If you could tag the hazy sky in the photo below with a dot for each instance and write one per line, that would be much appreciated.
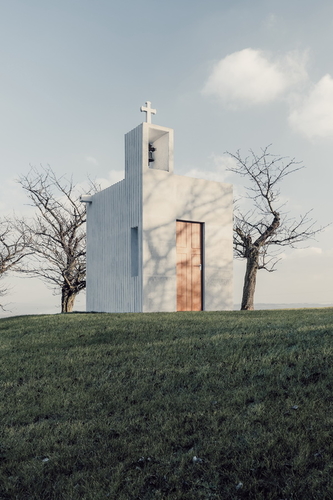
(225, 75)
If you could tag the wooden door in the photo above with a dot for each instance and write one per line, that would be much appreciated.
(189, 266)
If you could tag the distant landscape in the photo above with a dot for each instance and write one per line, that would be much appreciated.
(295, 305)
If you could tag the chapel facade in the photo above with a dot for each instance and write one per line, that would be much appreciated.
(157, 241)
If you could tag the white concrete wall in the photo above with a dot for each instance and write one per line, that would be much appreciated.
(167, 198)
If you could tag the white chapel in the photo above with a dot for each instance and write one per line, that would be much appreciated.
(157, 241)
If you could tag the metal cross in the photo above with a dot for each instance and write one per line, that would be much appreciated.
(148, 110)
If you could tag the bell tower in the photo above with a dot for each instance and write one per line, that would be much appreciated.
(148, 146)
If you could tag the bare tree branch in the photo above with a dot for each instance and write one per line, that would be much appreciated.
(57, 235)
(265, 225)
(14, 246)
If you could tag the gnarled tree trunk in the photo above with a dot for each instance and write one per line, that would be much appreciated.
(252, 252)
(67, 300)
(250, 278)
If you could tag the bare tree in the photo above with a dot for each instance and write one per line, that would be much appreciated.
(13, 248)
(263, 227)
(57, 233)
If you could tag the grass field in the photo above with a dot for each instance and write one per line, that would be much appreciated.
(167, 406)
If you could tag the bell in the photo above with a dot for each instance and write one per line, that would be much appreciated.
(151, 151)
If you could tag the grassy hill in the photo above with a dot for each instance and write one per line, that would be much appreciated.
(167, 406)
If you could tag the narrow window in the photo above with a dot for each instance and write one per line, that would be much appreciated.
(134, 251)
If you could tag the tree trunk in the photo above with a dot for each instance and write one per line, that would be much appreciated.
(67, 300)
(252, 262)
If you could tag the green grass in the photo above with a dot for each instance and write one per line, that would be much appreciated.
(101, 406)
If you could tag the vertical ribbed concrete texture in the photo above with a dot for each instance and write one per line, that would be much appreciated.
(110, 218)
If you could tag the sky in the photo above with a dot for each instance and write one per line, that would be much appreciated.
(225, 75)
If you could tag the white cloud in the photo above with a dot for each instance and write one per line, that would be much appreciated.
(223, 162)
(113, 177)
(303, 253)
(253, 77)
(91, 159)
(270, 21)
(313, 115)
(217, 169)
(101, 182)
(204, 174)
(12, 198)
